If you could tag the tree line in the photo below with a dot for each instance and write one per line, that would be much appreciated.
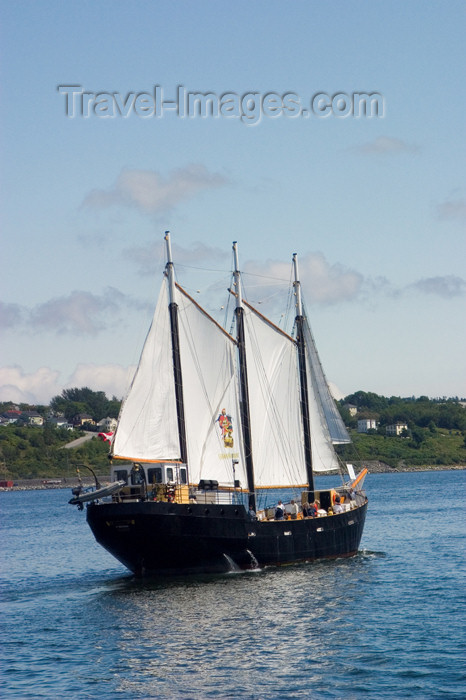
(421, 412)
(72, 402)
(437, 433)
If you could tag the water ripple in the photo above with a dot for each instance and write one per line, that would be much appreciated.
(384, 624)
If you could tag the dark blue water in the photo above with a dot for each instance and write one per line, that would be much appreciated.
(389, 623)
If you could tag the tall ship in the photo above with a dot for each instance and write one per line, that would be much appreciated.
(218, 442)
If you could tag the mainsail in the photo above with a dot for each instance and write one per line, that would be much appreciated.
(276, 425)
(208, 356)
(274, 403)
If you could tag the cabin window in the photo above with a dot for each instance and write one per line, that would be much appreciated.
(154, 475)
(169, 473)
(137, 475)
(121, 475)
(183, 478)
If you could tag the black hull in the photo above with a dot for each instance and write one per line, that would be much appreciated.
(152, 538)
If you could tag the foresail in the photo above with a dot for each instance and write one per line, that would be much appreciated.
(208, 359)
(147, 426)
(324, 458)
(336, 428)
(274, 401)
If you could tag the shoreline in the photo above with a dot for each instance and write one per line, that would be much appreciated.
(375, 467)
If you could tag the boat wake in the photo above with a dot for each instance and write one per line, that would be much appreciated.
(368, 554)
(254, 562)
(233, 567)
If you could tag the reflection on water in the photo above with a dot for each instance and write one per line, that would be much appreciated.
(206, 628)
(379, 625)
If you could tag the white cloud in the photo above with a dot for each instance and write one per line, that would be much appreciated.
(114, 380)
(41, 386)
(322, 282)
(152, 193)
(384, 145)
(34, 388)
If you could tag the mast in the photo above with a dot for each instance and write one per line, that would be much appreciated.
(173, 312)
(303, 380)
(244, 403)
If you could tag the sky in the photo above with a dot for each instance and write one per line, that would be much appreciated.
(95, 165)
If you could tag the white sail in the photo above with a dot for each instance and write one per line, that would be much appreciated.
(210, 396)
(274, 401)
(324, 458)
(148, 425)
(337, 430)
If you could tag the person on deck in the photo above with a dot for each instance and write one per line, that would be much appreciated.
(279, 511)
(294, 510)
(337, 507)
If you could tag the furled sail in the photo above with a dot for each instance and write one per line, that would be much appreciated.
(147, 428)
(276, 425)
(336, 428)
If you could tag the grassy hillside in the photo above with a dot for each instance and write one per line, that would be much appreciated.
(427, 448)
(436, 434)
(31, 453)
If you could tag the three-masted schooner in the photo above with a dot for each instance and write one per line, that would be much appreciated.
(211, 423)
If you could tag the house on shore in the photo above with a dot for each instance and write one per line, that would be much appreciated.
(81, 419)
(107, 424)
(366, 424)
(60, 422)
(396, 428)
(351, 408)
(12, 416)
(32, 418)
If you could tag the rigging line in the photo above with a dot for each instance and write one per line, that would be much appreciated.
(264, 300)
(204, 269)
(211, 269)
(227, 309)
(290, 299)
(265, 277)
(203, 311)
